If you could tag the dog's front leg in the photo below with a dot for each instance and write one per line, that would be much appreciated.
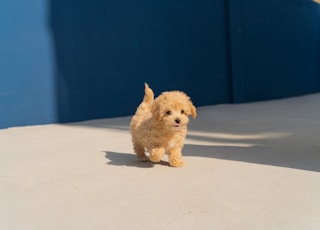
(156, 154)
(175, 157)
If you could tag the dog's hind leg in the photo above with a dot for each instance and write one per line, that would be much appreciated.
(140, 152)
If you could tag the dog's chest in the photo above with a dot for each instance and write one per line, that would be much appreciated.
(174, 141)
(171, 144)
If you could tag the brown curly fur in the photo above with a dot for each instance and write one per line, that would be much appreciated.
(159, 126)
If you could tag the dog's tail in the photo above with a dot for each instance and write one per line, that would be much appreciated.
(148, 94)
(146, 104)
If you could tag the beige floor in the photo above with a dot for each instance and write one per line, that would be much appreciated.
(248, 166)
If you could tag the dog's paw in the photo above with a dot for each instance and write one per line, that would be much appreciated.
(143, 158)
(156, 154)
(154, 158)
(176, 163)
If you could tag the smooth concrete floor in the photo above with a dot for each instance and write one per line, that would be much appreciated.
(248, 166)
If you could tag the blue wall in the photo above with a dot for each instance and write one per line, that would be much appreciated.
(75, 60)
(27, 86)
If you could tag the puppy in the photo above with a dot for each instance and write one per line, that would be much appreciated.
(159, 126)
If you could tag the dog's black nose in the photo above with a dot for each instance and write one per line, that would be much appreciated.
(177, 120)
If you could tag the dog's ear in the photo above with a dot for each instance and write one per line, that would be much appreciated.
(193, 110)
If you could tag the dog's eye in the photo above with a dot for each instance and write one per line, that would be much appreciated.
(168, 112)
(182, 111)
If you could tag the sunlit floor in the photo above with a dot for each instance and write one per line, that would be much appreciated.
(248, 166)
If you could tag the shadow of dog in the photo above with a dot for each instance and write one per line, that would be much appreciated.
(129, 160)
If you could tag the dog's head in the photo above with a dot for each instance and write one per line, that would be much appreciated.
(172, 109)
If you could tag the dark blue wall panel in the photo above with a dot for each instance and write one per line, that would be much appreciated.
(106, 50)
(275, 48)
